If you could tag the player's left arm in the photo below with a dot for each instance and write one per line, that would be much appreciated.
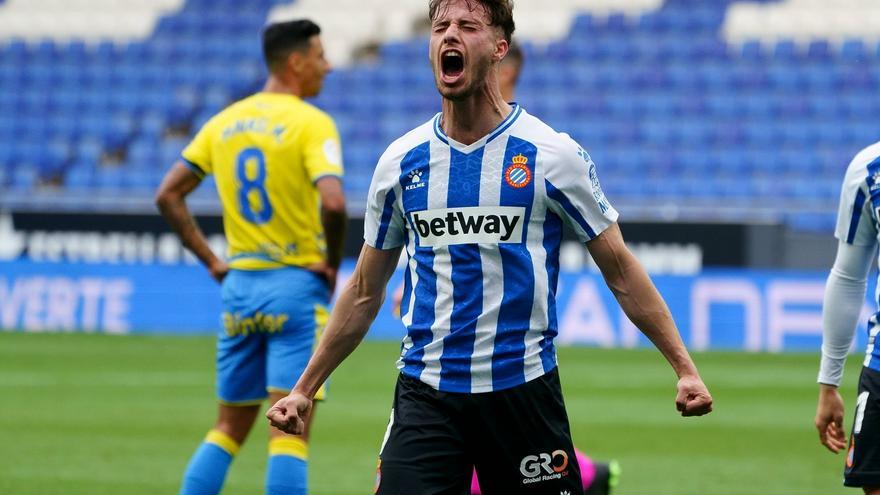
(843, 300)
(333, 219)
(572, 183)
(645, 307)
(171, 201)
(322, 157)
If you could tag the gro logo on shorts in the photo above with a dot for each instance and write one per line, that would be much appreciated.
(531, 466)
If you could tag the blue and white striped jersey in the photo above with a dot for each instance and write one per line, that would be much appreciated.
(858, 223)
(482, 226)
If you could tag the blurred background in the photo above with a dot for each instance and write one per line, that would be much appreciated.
(721, 130)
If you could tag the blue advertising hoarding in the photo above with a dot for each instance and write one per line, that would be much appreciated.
(719, 309)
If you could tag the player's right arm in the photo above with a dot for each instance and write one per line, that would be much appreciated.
(171, 201)
(842, 304)
(352, 315)
(186, 174)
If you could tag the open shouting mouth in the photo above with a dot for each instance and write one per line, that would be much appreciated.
(451, 66)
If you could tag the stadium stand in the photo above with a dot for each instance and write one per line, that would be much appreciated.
(680, 102)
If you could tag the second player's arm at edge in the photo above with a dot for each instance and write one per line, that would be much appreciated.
(354, 311)
(171, 201)
(642, 303)
(841, 308)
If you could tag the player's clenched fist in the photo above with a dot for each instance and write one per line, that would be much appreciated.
(693, 397)
(289, 414)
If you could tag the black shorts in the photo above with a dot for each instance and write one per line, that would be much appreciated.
(863, 455)
(518, 440)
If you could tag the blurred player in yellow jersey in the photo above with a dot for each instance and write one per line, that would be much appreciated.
(278, 168)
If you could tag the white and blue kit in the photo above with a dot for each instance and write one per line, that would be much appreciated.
(858, 230)
(482, 226)
(858, 224)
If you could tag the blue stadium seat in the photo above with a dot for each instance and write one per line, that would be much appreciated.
(854, 50)
(138, 179)
(752, 51)
(792, 106)
(110, 179)
(89, 150)
(726, 106)
(661, 95)
(170, 150)
(786, 51)
(80, 176)
(819, 81)
(24, 178)
(819, 51)
(785, 80)
(583, 24)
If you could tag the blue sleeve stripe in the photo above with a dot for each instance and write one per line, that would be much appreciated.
(856, 216)
(387, 211)
(569, 208)
(199, 171)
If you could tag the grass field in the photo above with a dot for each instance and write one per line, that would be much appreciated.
(95, 415)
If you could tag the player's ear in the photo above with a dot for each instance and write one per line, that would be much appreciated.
(295, 61)
(501, 49)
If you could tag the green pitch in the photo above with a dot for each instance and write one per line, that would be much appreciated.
(95, 415)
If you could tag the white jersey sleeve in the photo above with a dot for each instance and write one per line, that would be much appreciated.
(855, 222)
(845, 290)
(383, 221)
(841, 308)
(576, 195)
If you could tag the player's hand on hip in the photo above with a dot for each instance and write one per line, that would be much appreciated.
(693, 398)
(829, 418)
(219, 270)
(327, 272)
(289, 414)
(330, 273)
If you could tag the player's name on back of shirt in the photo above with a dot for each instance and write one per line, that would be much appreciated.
(473, 225)
(254, 125)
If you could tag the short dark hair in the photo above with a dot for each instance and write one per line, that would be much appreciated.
(282, 38)
(500, 13)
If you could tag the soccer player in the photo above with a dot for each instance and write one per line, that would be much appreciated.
(277, 163)
(857, 230)
(598, 477)
(477, 195)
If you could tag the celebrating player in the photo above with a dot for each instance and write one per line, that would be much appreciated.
(598, 477)
(858, 228)
(478, 196)
(275, 159)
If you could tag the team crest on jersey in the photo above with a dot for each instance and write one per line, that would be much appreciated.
(518, 174)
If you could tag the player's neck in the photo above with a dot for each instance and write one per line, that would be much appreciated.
(469, 120)
(276, 85)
